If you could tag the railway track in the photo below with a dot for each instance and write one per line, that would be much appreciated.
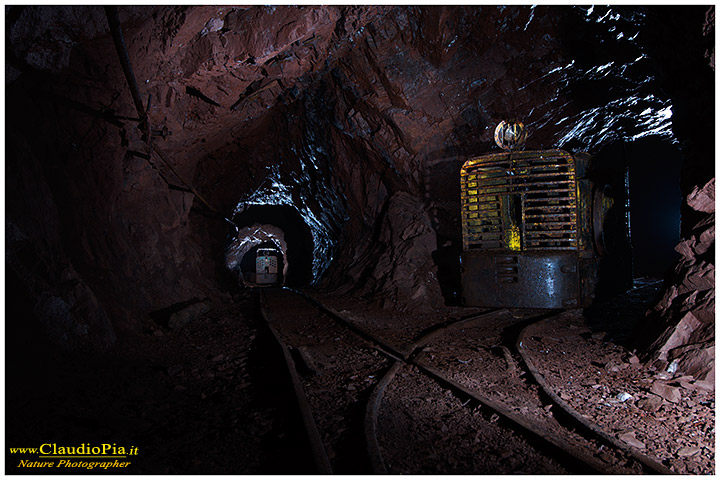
(461, 398)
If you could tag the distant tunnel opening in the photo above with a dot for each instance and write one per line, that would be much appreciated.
(278, 227)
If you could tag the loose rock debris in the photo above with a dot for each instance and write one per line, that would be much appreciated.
(671, 415)
(587, 370)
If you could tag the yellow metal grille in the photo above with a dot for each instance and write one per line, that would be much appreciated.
(520, 201)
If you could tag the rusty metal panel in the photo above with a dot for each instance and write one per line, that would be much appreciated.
(523, 280)
(520, 201)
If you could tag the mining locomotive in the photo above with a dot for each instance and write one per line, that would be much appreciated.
(532, 226)
(266, 266)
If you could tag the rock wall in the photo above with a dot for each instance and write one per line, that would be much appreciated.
(359, 116)
(681, 44)
(682, 324)
(394, 265)
(680, 329)
(421, 90)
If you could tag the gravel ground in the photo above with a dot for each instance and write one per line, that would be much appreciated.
(586, 358)
(425, 429)
(196, 399)
(212, 396)
(422, 428)
(338, 371)
(476, 354)
(668, 416)
(397, 329)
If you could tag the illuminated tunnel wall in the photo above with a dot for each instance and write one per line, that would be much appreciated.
(308, 239)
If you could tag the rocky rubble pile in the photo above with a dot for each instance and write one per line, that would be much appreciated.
(684, 319)
(663, 413)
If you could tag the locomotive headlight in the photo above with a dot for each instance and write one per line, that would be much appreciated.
(510, 136)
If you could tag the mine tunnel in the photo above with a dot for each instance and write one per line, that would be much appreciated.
(359, 239)
(294, 241)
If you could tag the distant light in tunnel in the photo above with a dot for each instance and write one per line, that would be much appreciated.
(272, 191)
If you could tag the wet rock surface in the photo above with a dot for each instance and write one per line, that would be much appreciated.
(357, 118)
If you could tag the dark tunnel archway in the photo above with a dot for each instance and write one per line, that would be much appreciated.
(298, 238)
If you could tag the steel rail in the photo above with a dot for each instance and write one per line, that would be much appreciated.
(518, 421)
(409, 357)
(653, 465)
(373, 405)
(377, 463)
(385, 348)
(320, 458)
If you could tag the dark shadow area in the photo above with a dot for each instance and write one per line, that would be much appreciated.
(67, 398)
(687, 75)
(299, 255)
(609, 174)
(639, 234)
(447, 260)
(162, 316)
(145, 395)
(655, 201)
(352, 448)
(446, 221)
(287, 445)
(620, 315)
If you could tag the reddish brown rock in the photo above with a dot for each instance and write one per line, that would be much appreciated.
(703, 199)
(670, 394)
(629, 438)
(365, 113)
(403, 272)
(651, 403)
(684, 319)
(697, 359)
